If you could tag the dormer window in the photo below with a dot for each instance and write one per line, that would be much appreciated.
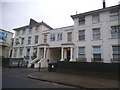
(82, 21)
(37, 28)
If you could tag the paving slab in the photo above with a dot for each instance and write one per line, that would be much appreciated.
(75, 80)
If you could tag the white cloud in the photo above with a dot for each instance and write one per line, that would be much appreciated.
(56, 13)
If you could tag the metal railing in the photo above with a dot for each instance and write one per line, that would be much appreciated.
(81, 59)
(97, 59)
(115, 60)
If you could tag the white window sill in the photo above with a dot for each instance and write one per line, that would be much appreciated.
(96, 40)
(114, 38)
(81, 40)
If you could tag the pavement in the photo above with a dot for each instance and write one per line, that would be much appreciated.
(77, 80)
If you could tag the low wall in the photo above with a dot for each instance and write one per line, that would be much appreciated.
(89, 66)
(5, 61)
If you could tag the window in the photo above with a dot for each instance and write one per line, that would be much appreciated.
(29, 40)
(116, 53)
(30, 30)
(81, 35)
(96, 33)
(15, 52)
(45, 38)
(34, 53)
(52, 37)
(114, 15)
(23, 31)
(96, 53)
(82, 21)
(28, 53)
(69, 36)
(22, 41)
(59, 36)
(81, 52)
(36, 39)
(115, 32)
(17, 41)
(17, 33)
(37, 29)
(21, 52)
(95, 18)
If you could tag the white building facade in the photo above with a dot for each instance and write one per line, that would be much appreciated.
(5, 43)
(93, 38)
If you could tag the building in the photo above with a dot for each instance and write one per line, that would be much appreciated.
(5, 43)
(93, 38)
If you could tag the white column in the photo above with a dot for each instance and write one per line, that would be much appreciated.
(71, 53)
(38, 52)
(62, 59)
(44, 52)
(31, 53)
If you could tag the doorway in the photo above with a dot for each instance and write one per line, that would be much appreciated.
(68, 54)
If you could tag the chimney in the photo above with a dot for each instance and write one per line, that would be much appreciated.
(32, 22)
(104, 4)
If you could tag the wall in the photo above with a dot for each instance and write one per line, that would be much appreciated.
(105, 42)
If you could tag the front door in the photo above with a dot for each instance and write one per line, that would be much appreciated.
(68, 54)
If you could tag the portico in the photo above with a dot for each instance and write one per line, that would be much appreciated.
(67, 51)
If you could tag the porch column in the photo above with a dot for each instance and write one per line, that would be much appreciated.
(62, 54)
(31, 53)
(71, 54)
(44, 52)
(38, 52)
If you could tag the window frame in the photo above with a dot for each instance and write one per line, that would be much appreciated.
(52, 37)
(117, 52)
(81, 35)
(115, 31)
(114, 15)
(22, 41)
(81, 21)
(97, 53)
(29, 40)
(69, 37)
(59, 36)
(95, 18)
(21, 52)
(96, 36)
(36, 39)
(30, 30)
(45, 38)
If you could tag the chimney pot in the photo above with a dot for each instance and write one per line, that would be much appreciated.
(104, 4)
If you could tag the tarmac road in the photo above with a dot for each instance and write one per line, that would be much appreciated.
(17, 78)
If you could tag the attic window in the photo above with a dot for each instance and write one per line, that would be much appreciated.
(37, 28)
(82, 21)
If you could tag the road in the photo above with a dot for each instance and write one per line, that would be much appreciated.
(17, 78)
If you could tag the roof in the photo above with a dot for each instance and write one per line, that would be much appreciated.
(95, 11)
(32, 24)
(6, 31)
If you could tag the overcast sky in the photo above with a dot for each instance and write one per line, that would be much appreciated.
(56, 13)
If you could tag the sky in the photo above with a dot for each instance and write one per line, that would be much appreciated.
(55, 13)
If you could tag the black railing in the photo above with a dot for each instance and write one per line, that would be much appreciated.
(116, 60)
(81, 59)
(97, 59)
